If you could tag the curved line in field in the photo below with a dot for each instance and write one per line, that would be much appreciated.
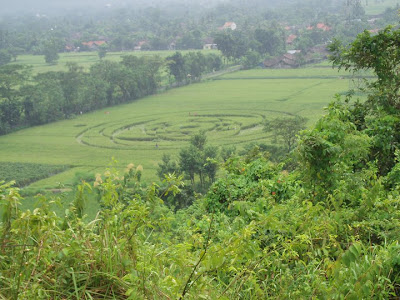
(224, 125)
(129, 126)
(79, 136)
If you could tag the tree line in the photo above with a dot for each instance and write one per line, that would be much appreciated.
(27, 100)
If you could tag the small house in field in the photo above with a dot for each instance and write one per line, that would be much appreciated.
(272, 63)
(296, 58)
(290, 60)
(229, 25)
(285, 61)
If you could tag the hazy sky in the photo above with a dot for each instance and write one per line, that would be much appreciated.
(45, 6)
(34, 6)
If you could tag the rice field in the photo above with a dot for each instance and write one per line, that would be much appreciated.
(230, 110)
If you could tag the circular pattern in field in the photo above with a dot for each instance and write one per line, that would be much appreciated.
(173, 130)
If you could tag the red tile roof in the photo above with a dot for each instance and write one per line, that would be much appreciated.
(320, 26)
(291, 38)
(93, 43)
(323, 27)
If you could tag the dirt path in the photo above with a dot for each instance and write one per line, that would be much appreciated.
(222, 72)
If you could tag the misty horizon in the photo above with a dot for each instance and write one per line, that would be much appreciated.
(61, 6)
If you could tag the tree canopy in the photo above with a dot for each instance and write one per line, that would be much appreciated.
(379, 115)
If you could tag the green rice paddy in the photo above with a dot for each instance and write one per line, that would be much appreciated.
(231, 110)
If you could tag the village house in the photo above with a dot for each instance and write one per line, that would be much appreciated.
(285, 61)
(290, 39)
(324, 27)
(295, 58)
(272, 62)
(228, 25)
(94, 45)
(291, 28)
(321, 26)
(290, 60)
